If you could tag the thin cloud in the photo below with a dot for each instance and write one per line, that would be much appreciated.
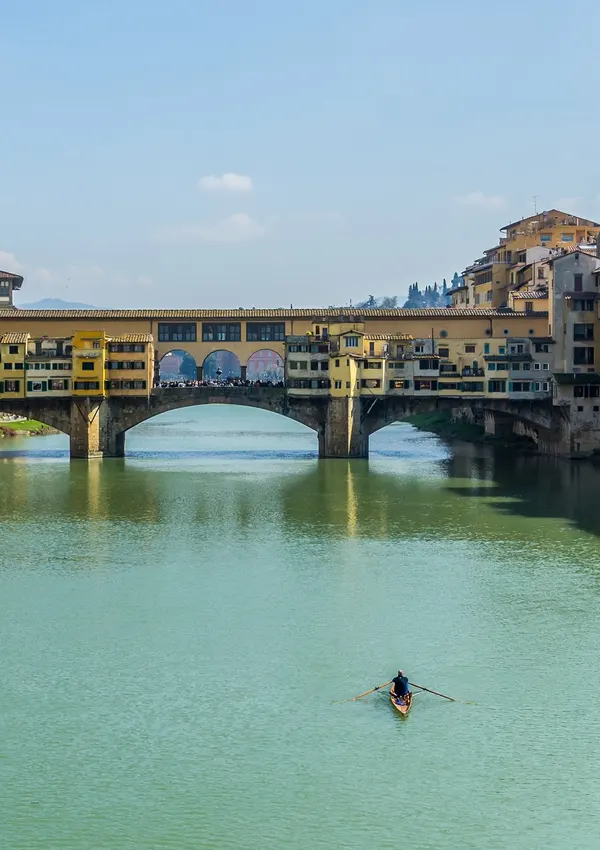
(9, 263)
(229, 182)
(238, 227)
(482, 201)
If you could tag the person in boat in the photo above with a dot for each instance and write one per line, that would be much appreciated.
(400, 685)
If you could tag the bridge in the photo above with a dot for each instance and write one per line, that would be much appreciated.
(97, 427)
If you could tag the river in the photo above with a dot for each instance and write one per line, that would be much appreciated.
(176, 628)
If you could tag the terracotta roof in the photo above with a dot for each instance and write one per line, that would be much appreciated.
(405, 337)
(528, 295)
(280, 313)
(11, 275)
(132, 338)
(14, 338)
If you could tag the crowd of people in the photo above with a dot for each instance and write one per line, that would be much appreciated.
(228, 382)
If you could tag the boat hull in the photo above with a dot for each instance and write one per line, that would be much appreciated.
(402, 704)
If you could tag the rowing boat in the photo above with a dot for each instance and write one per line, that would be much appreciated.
(401, 704)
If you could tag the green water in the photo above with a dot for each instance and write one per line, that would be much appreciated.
(175, 628)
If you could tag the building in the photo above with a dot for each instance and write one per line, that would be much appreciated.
(520, 258)
(8, 283)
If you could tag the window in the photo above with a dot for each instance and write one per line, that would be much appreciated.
(445, 352)
(545, 237)
(488, 297)
(496, 386)
(8, 366)
(502, 349)
(372, 364)
(324, 365)
(486, 348)
(13, 349)
(265, 333)
(314, 365)
(337, 363)
(12, 386)
(581, 305)
(491, 367)
(139, 385)
(578, 282)
(95, 343)
(58, 384)
(221, 333)
(469, 349)
(546, 367)
(293, 349)
(501, 367)
(172, 332)
(298, 364)
(566, 237)
(86, 385)
(347, 385)
(369, 383)
(529, 306)
(586, 391)
(36, 386)
(397, 366)
(419, 349)
(516, 349)
(472, 387)
(428, 365)
(541, 347)
(351, 342)
(526, 367)
(87, 366)
(399, 385)
(447, 369)
(515, 367)
(426, 385)
(338, 385)
(537, 366)
(583, 355)
(520, 387)
(581, 331)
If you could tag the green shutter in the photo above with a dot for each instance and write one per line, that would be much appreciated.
(1, 386)
(44, 386)
(29, 386)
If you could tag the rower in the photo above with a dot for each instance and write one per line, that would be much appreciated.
(400, 685)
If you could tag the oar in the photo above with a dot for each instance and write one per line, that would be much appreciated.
(366, 693)
(429, 691)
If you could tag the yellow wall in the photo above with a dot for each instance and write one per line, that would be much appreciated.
(89, 347)
(11, 360)
(116, 376)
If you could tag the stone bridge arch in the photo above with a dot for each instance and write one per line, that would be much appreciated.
(538, 420)
(54, 412)
(123, 414)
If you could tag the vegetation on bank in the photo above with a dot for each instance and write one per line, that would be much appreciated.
(25, 428)
(441, 423)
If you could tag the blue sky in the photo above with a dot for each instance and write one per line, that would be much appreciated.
(366, 145)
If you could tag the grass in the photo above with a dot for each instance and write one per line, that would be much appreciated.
(25, 425)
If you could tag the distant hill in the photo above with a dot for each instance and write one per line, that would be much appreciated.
(56, 304)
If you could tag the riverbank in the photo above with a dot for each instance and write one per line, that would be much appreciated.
(25, 428)
(442, 424)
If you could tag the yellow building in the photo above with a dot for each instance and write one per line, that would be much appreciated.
(130, 365)
(13, 351)
(89, 359)
(520, 257)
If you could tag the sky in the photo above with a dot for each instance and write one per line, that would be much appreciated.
(266, 153)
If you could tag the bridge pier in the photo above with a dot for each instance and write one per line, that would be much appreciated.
(85, 432)
(344, 434)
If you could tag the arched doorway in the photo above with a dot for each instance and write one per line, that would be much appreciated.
(265, 365)
(177, 365)
(221, 365)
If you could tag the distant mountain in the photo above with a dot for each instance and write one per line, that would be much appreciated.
(56, 304)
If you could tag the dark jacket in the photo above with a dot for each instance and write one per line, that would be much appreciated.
(400, 685)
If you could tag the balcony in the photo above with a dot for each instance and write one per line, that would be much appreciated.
(472, 373)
